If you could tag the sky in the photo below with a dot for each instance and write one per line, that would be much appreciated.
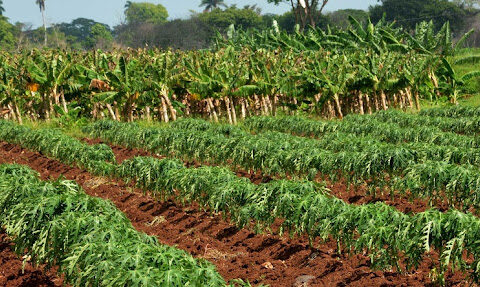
(111, 11)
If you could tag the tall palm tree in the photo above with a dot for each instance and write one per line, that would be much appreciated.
(127, 5)
(212, 4)
(41, 5)
(1, 8)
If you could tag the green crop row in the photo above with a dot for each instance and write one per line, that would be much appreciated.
(462, 125)
(91, 241)
(278, 153)
(452, 112)
(391, 238)
(362, 126)
(54, 143)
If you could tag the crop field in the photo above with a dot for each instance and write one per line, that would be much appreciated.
(271, 159)
(390, 198)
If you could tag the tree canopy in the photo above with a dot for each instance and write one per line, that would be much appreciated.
(80, 30)
(220, 19)
(138, 13)
(408, 13)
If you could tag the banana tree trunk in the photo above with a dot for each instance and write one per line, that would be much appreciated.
(117, 113)
(375, 101)
(12, 112)
(244, 109)
(360, 103)
(64, 103)
(111, 112)
(130, 113)
(50, 106)
(369, 104)
(95, 111)
(19, 115)
(258, 106)
(172, 110)
(417, 100)
(247, 102)
(331, 109)
(212, 108)
(264, 106)
(147, 114)
(274, 105)
(408, 93)
(209, 110)
(46, 109)
(384, 100)
(234, 113)
(435, 83)
(269, 104)
(164, 110)
(227, 106)
(218, 107)
(338, 106)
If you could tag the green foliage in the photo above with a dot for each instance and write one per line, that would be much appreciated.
(91, 241)
(359, 149)
(212, 4)
(7, 34)
(100, 37)
(409, 13)
(86, 33)
(391, 238)
(51, 142)
(221, 19)
(144, 12)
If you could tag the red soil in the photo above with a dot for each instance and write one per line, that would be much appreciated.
(269, 259)
(11, 274)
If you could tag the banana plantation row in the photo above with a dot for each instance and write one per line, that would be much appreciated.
(391, 238)
(331, 73)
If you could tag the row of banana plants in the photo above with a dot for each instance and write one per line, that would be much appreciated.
(277, 153)
(391, 238)
(359, 70)
(91, 242)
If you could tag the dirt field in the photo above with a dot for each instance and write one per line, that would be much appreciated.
(269, 259)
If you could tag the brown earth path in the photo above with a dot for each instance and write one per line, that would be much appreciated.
(270, 259)
(12, 275)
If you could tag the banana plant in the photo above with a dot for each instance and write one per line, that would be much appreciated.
(453, 80)
(126, 80)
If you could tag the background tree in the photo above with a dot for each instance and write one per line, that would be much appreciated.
(408, 13)
(139, 13)
(79, 32)
(2, 10)
(242, 18)
(100, 37)
(470, 4)
(339, 18)
(41, 5)
(212, 4)
(304, 10)
(7, 34)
